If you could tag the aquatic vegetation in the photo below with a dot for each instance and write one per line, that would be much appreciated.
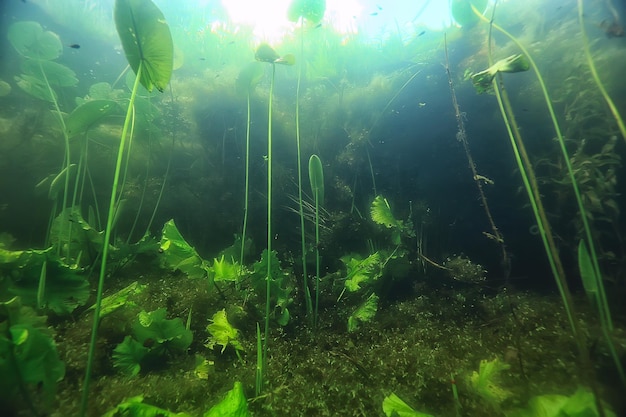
(316, 178)
(135, 407)
(247, 79)
(461, 11)
(580, 404)
(486, 382)
(179, 255)
(364, 313)
(483, 80)
(148, 47)
(616, 29)
(234, 404)
(530, 185)
(265, 53)
(463, 269)
(29, 361)
(154, 337)
(394, 406)
(222, 333)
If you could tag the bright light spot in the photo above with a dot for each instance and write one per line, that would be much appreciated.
(269, 22)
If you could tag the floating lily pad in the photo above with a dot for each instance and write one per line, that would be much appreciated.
(147, 40)
(88, 114)
(31, 41)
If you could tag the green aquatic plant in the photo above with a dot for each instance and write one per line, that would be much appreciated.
(122, 298)
(29, 361)
(580, 404)
(311, 11)
(361, 271)
(483, 80)
(43, 281)
(530, 184)
(148, 47)
(154, 337)
(316, 178)
(393, 406)
(479, 180)
(248, 78)
(594, 73)
(234, 404)
(222, 333)
(486, 382)
(180, 255)
(461, 11)
(280, 286)
(135, 407)
(266, 53)
(39, 75)
(380, 213)
(363, 313)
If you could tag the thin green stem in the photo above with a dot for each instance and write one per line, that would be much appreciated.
(105, 246)
(247, 189)
(307, 294)
(268, 278)
(596, 77)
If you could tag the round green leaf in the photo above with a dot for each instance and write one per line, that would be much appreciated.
(462, 11)
(31, 41)
(88, 114)
(147, 40)
(266, 53)
(56, 74)
(35, 87)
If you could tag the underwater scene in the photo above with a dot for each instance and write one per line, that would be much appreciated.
(218, 208)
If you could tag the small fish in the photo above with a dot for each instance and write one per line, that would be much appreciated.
(378, 6)
(319, 25)
(74, 46)
(421, 33)
(374, 14)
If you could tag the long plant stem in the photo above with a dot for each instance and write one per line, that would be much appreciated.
(317, 256)
(594, 72)
(307, 293)
(247, 189)
(603, 305)
(268, 278)
(105, 245)
(462, 137)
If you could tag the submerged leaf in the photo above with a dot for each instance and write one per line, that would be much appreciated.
(222, 332)
(147, 41)
(316, 178)
(88, 114)
(393, 406)
(234, 404)
(483, 80)
(365, 312)
(178, 254)
(31, 41)
(127, 356)
(54, 73)
(134, 407)
(265, 53)
(380, 212)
